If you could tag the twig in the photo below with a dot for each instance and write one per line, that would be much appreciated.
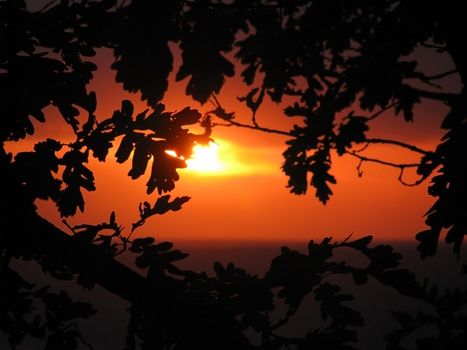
(383, 162)
(290, 312)
(124, 247)
(423, 78)
(258, 102)
(381, 111)
(359, 168)
(362, 148)
(401, 166)
(442, 75)
(221, 124)
(410, 184)
(253, 127)
(400, 144)
(68, 226)
(439, 96)
(287, 340)
(215, 102)
(45, 7)
(437, 47)
(428, 79)
(80, 336)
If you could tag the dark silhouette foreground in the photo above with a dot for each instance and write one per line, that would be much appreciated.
(352, 59)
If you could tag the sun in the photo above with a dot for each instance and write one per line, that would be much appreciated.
(205, 158)
(220, 158)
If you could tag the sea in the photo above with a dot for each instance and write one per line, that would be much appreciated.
(107, 328)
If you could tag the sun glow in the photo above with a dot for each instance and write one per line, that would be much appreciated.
(222, 158)
(205, 158)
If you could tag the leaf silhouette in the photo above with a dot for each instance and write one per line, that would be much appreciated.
(162, 206)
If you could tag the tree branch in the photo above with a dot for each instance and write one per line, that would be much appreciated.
(35, 236)
(410, 184)
(230, 123)
(439, 96)
(428, 79)
(290, 312)
(382, 162)
(441, 75)
(227, 117)
(381, 111)
(355, 153)
(439, 48)
(398, 143)
(45, 7)
(402, 168)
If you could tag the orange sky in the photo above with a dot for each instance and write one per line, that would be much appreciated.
(254, 204)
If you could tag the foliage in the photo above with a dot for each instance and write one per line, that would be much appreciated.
(341, 64)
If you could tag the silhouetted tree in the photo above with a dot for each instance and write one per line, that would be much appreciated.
(352, 61)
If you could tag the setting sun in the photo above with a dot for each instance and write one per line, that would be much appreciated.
(222, 158)
(205, 158)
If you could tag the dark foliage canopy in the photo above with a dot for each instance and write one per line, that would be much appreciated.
(343, 63)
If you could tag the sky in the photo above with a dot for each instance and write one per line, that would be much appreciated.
(248, 199)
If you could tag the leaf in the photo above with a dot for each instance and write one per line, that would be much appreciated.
(76, 176)
(87, 233)
(139, 244)
(112, 218)
(403, 281)
(319, 167)
(141, 157)
(99, 143)
(359, 276)
(186, 116)
(70, 199)
(408, 97)
(122, 118)
(222, 114)
(92, 102)
(252, 103)
(382, 257)
(428, 242)
(296, 166)
(164, 173)
(127, 109)
(352, 131)
(456, 235)
(331, 307)
(296, 273)
(125, 148)
(296, 111)
(173, 255)
(219, 270)
(164, 246)
(428, 164)
(162, 206)
(205, 79)
(361, 243)
(144, 66)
